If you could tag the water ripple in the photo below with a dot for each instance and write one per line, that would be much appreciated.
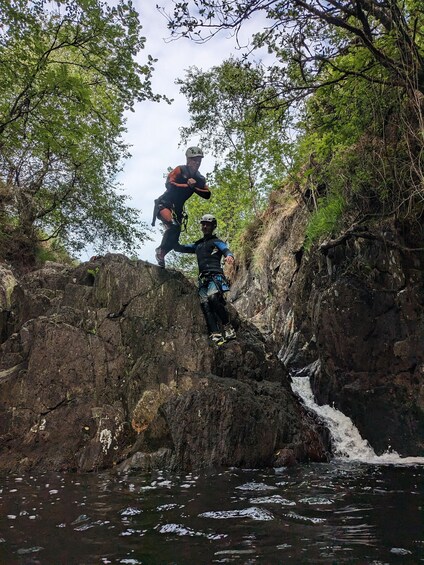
(256, 486)
(319, 514)
(253, 513)
(306, 519)
(275, 499)
(180, 530)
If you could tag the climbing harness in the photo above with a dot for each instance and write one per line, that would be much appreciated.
(220, 280)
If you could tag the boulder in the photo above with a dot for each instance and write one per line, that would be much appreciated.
(109, 365)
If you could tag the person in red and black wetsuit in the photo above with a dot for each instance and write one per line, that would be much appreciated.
(181, 183)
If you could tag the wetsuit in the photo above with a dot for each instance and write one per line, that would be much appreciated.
(212, 282)
(169, 207)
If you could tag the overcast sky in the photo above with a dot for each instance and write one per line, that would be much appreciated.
(153, 129)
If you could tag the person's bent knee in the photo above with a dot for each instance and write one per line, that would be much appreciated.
(166, 216)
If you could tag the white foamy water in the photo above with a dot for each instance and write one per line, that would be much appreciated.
(253, 513)
(180, 530)
(275, 499)
(347, 442)
(256, 486)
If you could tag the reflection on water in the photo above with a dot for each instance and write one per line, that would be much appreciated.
(332, 513)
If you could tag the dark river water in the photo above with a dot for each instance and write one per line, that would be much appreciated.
(332, 513)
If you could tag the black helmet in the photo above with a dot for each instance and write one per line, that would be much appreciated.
(208, 218)
(194, 152)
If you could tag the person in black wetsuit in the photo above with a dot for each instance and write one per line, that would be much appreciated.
(212, 282)
(181, 183)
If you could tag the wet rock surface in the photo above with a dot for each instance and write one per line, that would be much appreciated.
(109, 365)
(357, 307)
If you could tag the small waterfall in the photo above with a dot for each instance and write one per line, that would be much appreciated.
(346, 440)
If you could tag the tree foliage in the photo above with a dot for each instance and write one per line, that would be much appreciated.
(69, 73)
(353, 74)
(248, 140)
(362, 141)
(309, 37)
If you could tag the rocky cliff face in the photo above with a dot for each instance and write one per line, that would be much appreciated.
(355, 305)
(108, 364)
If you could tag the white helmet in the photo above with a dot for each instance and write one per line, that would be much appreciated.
(194, 152)
(208, 218)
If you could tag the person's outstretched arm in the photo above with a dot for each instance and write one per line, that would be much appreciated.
(190, 248)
